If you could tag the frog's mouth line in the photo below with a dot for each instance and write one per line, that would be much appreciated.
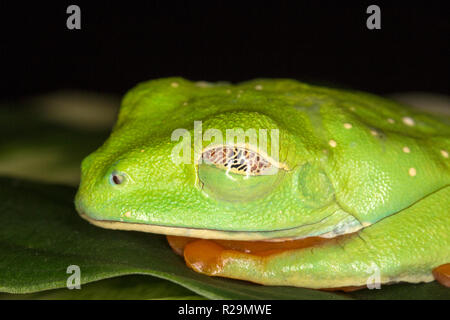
(206, 233)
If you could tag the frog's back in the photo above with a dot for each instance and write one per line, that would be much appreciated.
(382, 156)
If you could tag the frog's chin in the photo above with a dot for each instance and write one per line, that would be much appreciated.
(275, 235)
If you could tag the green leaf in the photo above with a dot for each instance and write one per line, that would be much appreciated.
(120, 288)
(41, 235)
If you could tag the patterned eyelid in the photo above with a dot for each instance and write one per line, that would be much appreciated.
(239, 160)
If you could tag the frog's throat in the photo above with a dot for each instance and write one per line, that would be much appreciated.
(276, 235)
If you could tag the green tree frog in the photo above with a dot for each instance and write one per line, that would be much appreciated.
(278, 182)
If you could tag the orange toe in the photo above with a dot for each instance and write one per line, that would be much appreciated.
(442, 274)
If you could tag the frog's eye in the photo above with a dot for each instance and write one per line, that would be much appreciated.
(237, 174)
(116, 178)
(238, 160)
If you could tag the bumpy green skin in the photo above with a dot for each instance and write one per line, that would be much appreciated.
(353, 161)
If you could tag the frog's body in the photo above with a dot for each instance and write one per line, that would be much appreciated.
(347, 162)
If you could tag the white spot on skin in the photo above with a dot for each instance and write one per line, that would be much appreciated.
(258, 87)
(444, 154)
(373, 132)
(332, 143)
(408, 121)
(174, 84)
(347, 125)
(128, 214)
(412, 172)
(202, 84)
(390, 120)
(406, 150)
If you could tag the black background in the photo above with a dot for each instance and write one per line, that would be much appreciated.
(127, 42)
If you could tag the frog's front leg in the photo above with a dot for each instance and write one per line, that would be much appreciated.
(407, 246)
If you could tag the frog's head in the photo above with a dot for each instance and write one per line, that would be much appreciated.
(177, 163)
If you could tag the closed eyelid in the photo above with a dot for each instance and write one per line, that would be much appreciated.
(237, 160)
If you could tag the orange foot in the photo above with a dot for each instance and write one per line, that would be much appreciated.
(204, 256)
(442, 274)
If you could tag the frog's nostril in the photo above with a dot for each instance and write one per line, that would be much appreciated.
(117, 178)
